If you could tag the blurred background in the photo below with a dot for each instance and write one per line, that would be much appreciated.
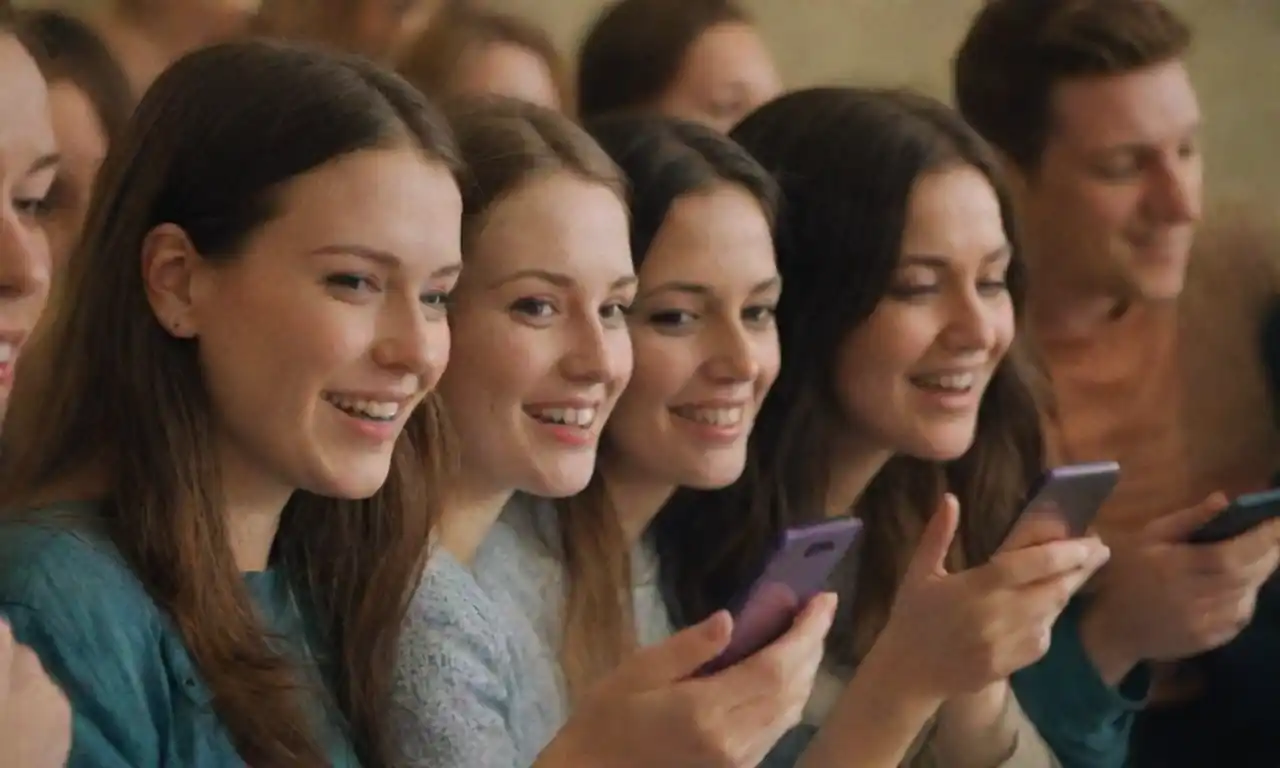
(909, 42)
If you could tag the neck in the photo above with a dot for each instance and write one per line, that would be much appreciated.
(853, 472)
(635, 501)
(253, 511)
(1064, 315)
(469, 515)
(169, 29)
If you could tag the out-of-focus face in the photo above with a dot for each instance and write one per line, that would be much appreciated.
(540, 333)
(319, 339)
(725, 75)
(1113, 207)
(384, 28)
(28, 163)
(911, 378)
(82, 144)
(510, 70)
(705, 343)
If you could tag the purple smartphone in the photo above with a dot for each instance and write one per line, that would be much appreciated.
(797, 570)
(1072, 495)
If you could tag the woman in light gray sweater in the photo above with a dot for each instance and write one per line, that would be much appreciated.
(541, 353)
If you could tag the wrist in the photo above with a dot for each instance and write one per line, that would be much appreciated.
(889, 672)
(1106, 648)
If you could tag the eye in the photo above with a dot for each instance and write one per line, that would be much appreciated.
(531, 307)
(672, 318)
(436, 300)
(350, 281)
(993, 285)
(32, 207)
(614, 311)
(764, 314)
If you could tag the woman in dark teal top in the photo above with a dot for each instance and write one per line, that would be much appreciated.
(215, 514)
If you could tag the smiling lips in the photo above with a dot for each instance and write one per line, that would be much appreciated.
(569, 423)
(715, 423)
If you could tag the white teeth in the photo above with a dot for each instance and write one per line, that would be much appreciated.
(6, 352)
(370, 409)
(957, 382)
(716, 417)
(574, 417)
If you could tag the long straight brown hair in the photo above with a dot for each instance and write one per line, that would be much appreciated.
(505, 144)
(105, 392)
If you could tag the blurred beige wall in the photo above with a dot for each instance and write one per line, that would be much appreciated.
(909, 42)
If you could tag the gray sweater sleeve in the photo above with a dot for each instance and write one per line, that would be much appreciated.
(453, 688)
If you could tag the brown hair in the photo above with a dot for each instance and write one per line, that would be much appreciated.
(634, 50)
(66, 48)
(433, 60)
(847, 160)
(208, 150)
(505, 144)
(1017, 51)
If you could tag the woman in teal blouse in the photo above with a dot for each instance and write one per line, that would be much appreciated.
(215, 507)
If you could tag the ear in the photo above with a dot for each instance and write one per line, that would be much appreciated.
(170, 263)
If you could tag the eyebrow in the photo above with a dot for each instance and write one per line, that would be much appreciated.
(558, 279)
(941, 262)
(701, 289)
(44, 162)
(385, 258)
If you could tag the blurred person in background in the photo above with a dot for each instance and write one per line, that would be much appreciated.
(468, 51)
(701, 60)
(378, 29)
(90, 100)
(146, 36)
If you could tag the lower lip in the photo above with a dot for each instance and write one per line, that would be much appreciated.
(374, 431)
(958, 402)
(710, 433)
(574, 437)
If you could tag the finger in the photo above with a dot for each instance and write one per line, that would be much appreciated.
(1178, 526)
(767, 670)
(1235, 560)
(930, 557)
(1043, 562)
(676, 658)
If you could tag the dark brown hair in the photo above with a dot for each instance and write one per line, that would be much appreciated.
(208, 150)
(847, 161)
(635, 48)
(663, 159)
(67, 48)
(506, 143)
(1017, 51)
(433, 60)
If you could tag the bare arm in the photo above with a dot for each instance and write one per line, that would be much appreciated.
(988, 730)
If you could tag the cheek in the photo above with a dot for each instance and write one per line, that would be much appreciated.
(661, 372)
(493, 364)
(768, 357)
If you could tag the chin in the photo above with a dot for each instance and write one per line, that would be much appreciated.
(565, 478)
(941, 445)
(357, 480)
(710, 475)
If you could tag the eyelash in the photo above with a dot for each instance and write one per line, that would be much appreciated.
(676, 318)
(543, 309)
(916, 291)
(349, 281)
(34, 207)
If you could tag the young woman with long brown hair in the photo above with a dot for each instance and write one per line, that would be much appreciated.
(902, 399)
(544, 351)
(216, 507)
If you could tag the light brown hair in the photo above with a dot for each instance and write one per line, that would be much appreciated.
(107, 393)
(1017, 51)
(433, 60)
(506, 143)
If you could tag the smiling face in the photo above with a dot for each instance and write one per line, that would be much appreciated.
(911, 377)
(324, 333)
(28, 162)
(706, 347)
(1112, 207)
(541, 337)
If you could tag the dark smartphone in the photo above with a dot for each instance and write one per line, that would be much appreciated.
(1072, 495)
(1243, 515)
(798, 569)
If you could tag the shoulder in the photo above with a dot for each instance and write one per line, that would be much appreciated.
(451, 618)
(521, 553)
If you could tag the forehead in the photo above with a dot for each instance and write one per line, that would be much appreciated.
(391, 199)
(718, 235)
(26, 132)
(1147, 106)
(729, 51)
(556, 222)
(954, 212)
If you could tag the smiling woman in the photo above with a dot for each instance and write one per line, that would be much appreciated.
(216, 521)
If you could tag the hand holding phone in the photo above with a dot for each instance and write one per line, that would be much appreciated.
(798, 569)
(1241, 516)
(1063, 503)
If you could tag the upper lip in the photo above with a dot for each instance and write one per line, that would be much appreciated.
(379, 396)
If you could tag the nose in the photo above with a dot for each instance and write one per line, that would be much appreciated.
(733, 356)
(409, 342)
(970, 325)
(1173, 193)
(597, 354)
(24, 262)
